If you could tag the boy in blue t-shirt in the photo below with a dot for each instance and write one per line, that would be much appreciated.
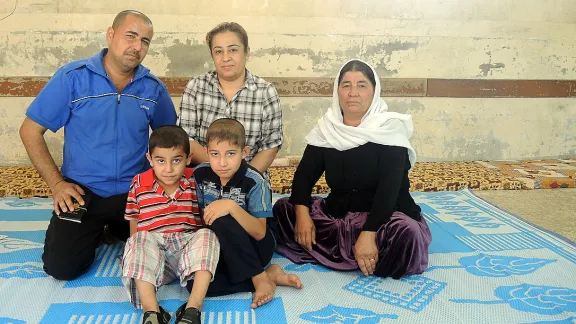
(236, 202)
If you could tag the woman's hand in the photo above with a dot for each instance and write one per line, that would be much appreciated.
(304, 231)
(366, 252)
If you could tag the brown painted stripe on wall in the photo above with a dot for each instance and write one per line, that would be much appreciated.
(391, 87)
(175, 85)
(501, 88)
(322, 87)
(21, 86)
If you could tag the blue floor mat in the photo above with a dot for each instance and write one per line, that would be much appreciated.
(486, 266)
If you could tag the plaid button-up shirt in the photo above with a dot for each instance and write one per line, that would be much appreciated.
(256, 106)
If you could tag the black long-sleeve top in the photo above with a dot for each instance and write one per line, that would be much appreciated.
(369, 178)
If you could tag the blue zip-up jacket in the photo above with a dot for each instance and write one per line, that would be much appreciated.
(105, 132)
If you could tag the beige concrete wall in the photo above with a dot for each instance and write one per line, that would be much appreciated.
(447, 129)
(478, 39)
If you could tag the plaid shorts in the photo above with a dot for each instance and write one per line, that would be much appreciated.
(160, 258)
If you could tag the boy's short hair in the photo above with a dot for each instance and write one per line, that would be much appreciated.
(169, 136)
(227, 129)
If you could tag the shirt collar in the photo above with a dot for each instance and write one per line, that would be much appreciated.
(147, 179)
(96, 65)
(249, 83)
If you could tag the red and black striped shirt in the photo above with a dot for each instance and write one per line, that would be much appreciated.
(156, 211)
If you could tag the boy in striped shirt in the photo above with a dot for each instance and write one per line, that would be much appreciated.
(168, 238)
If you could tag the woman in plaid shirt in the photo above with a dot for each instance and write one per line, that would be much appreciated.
(231, 91)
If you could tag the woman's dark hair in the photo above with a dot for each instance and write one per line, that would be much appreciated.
(228, 27)
(358, 66)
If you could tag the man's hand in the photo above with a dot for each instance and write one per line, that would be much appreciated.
(366, 252)
(63, 192)
(217, 209)
(305, 231)
(32, 135)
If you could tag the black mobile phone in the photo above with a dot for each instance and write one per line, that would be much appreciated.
(79, 210)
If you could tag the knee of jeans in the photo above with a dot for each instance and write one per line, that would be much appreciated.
(63, 270)
(65, 275)
(224, 224)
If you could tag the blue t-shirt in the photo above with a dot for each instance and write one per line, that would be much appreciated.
(105, 132)
(247, 187)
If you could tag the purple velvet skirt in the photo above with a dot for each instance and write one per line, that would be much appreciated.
(402, 242)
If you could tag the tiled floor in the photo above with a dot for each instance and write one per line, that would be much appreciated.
(554, 210)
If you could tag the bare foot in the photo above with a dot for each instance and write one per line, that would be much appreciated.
(264, 290)
(281, 278)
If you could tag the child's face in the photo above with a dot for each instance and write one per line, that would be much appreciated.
(225, 158)
(168, 164)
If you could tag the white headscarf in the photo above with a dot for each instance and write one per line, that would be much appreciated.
(377, 126)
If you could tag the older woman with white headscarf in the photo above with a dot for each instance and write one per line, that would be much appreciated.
(369, 220)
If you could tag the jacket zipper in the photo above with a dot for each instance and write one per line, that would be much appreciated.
(117, 175)
(119, 94)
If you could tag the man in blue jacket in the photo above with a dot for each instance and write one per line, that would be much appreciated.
(106, 104)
